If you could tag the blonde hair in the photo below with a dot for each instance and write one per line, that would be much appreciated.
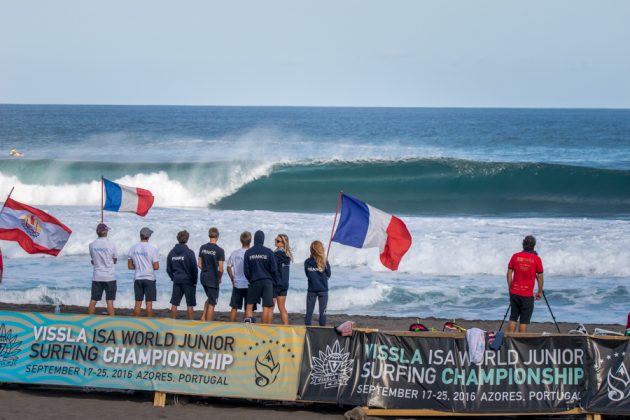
(287, 248)
(246, 238)
(317, 253)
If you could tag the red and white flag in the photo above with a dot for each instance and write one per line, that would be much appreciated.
(36, 231)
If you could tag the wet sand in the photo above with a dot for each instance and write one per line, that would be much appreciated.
(362, 321)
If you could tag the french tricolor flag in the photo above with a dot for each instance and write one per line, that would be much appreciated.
(122, 198)
(364, 226)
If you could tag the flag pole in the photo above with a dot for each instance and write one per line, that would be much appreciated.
(102, 199)
(5, 201)
(332, 232)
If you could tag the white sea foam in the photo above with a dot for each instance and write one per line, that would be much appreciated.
(455, 268)
(441, 246)
(168, 192)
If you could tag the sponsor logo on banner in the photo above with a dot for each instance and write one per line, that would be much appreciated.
(266, 369)
(9, 347)
(618, 381)
(332, 368)
(32, 225)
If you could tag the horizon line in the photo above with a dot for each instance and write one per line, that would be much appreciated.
(324, 106)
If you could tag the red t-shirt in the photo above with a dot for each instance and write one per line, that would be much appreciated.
(525, 265)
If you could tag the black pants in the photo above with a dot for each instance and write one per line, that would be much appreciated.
(311, 297)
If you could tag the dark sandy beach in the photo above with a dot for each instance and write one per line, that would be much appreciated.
(362, 321)
(28, 401)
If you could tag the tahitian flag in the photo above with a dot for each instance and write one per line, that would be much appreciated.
(36, 231)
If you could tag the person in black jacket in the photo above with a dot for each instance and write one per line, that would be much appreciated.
(317, 270)
(181, 266)
(284, 256)
(260, 269)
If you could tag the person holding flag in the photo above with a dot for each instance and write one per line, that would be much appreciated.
(103, 257)
(317, 270)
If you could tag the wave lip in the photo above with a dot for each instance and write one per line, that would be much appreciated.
(440, 186)
(403, 186)
(51, 182)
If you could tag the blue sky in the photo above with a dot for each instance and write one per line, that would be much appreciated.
(317, 53)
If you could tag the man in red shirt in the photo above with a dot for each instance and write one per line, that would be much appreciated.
(524, 268)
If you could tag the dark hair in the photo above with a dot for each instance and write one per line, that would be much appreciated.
(182, 237)
(246, 238)
(529, 243)
(213, 232)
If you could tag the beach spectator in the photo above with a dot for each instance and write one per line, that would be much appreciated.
(260, 269)
(211, 257)
(182, 269)
(524, 269)
(239, 281)
(317, 270)
(284, 257)
(103, 257)
(143, 258)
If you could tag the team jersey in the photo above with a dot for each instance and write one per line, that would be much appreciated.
(143, 255)
(236, 261)
(210, 255)
(525, 265)
(103, 253)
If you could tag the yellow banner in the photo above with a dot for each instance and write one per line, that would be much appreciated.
(160, 354)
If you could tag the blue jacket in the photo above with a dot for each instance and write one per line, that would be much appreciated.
(317, 280)
(181, 265)
(259, 264)
(282, 275)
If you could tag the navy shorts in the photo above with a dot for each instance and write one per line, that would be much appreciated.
(522, 307)
(180, 290)
(280, 291)
(212, 293)
(238, 299)
(145, 289)
(98, 287)
(258, 289)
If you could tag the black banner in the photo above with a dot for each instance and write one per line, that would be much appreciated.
(328, 365)
(609, 383)
(529, 374)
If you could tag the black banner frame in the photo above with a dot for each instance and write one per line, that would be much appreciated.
(577, 381)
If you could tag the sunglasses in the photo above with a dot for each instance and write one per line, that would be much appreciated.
(279, 241)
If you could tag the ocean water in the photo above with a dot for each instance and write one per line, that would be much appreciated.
(469, 183)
